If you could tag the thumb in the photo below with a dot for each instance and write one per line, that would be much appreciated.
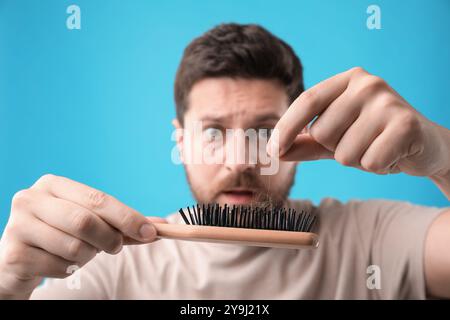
(130, 241)
(305, 148)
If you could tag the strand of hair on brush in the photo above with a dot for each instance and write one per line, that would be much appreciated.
(269, 218)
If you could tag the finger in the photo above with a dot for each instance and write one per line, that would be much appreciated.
(334, 121)
(127, 220)
(303, 110)
(394, 168)
(305, 148)
(129, 241)
(385, 151)
(357, 139)
(54, 241)
(76, 221)
(27, 262)
(157, 219)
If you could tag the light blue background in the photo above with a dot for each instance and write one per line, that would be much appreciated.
(95, 104)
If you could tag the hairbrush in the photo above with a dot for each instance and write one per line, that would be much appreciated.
(245, 225)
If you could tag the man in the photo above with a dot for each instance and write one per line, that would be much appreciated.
(243, 77)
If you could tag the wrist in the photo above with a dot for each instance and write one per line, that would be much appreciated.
(23, 296)
(11, 288)
(442, 180)
(442, 177)
(14, 295)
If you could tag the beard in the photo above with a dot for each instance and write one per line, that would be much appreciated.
(265, 194)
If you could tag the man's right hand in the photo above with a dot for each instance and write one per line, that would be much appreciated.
(58, 223)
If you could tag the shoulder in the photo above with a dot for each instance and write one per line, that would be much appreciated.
(335, 215)
(331, 206)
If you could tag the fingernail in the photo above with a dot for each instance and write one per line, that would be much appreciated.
(147, 232)
(117, 250)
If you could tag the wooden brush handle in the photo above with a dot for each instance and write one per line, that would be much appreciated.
(252, 237)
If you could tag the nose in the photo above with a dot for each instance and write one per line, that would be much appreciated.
(239, 155)
(236, 167)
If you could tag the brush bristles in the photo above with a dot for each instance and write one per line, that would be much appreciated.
(248, 217)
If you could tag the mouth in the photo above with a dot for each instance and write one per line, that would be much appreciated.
(237, 196)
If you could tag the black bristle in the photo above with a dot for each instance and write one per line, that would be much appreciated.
(241, 218)
(199, 215)
(195, 215)
(267, 217)
(202, 216)
(190, 215)
(184, 216)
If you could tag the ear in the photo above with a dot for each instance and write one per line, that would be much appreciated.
(179, 137)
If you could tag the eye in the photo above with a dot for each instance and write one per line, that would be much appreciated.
(212, 134)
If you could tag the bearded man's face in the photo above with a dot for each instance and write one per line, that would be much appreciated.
(221, 105)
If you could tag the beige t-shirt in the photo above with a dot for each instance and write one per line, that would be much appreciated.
(368, 250)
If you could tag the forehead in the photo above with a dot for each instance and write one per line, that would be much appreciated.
(236, 100)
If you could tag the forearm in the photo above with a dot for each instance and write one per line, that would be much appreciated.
(4, 296)
(13, 295)
(443, 183)
(442, 178)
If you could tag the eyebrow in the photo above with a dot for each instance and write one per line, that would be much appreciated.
(267, 117)
(257, 118)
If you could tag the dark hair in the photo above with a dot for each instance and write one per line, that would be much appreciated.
(237, 51)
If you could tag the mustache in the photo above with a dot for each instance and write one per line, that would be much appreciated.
(242, 180)
(246, 180)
